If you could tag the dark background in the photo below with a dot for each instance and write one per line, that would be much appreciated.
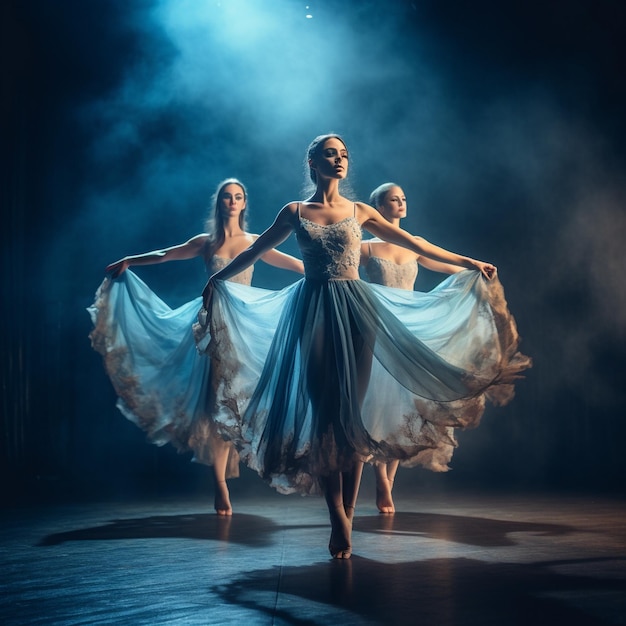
(503, 122)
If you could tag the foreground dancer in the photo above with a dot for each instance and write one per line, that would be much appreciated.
(394, 266)
(163, 385)
(295, 369)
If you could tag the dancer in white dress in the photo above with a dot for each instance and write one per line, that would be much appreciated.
(149, 352)
(296, 364)
(394, 266)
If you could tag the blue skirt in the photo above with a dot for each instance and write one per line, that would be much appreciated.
(309, 378)
(162, 382)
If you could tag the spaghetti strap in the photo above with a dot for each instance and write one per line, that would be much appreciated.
(354, 215)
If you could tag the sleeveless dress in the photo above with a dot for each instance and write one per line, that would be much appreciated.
(385, 272)
(149, 353)
(402, 276)
(332, 368)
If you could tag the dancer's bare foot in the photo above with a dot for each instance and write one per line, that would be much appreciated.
(340, 546)
(384, 501)
(222, 498)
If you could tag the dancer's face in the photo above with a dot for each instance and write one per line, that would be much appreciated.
(232, 200)
(394, 204)
(331, 161)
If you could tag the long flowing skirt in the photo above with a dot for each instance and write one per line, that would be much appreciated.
(163, 384)
(314, 376)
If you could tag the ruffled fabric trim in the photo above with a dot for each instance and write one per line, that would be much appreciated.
(149, 353)
(320, 373)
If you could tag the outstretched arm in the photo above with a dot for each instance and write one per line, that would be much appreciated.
(284, 261)
(188, 250)
(438, 266)
(372, 221)
(270, 238)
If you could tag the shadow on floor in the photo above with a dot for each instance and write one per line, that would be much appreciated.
(249, 530)
(473, 592)
(476, 531)
(256, 530)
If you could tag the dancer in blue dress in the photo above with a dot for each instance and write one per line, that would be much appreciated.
(295, 366)
(163, 384)
(397, 267)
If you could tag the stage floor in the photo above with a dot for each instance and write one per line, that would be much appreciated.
(443, 559)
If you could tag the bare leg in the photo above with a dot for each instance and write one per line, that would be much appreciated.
(385, 475)
(392, 468)
(352, 479)
(340, 545)
(341, 489)
(351, 483)
(221, 450)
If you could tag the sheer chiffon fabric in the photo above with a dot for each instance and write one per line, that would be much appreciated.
(442, 438)
(163, 384)
(332, 369)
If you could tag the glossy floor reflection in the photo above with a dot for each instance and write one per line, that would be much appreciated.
(478, 559)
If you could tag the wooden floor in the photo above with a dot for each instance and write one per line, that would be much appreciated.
(462, 559)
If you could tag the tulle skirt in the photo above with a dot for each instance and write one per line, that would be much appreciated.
(163, 384)
(310, 378)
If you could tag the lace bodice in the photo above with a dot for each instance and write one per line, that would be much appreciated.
(331, 251)
(384, 272)
(216, 263)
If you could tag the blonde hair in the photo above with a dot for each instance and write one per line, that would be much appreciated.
(377, 197)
